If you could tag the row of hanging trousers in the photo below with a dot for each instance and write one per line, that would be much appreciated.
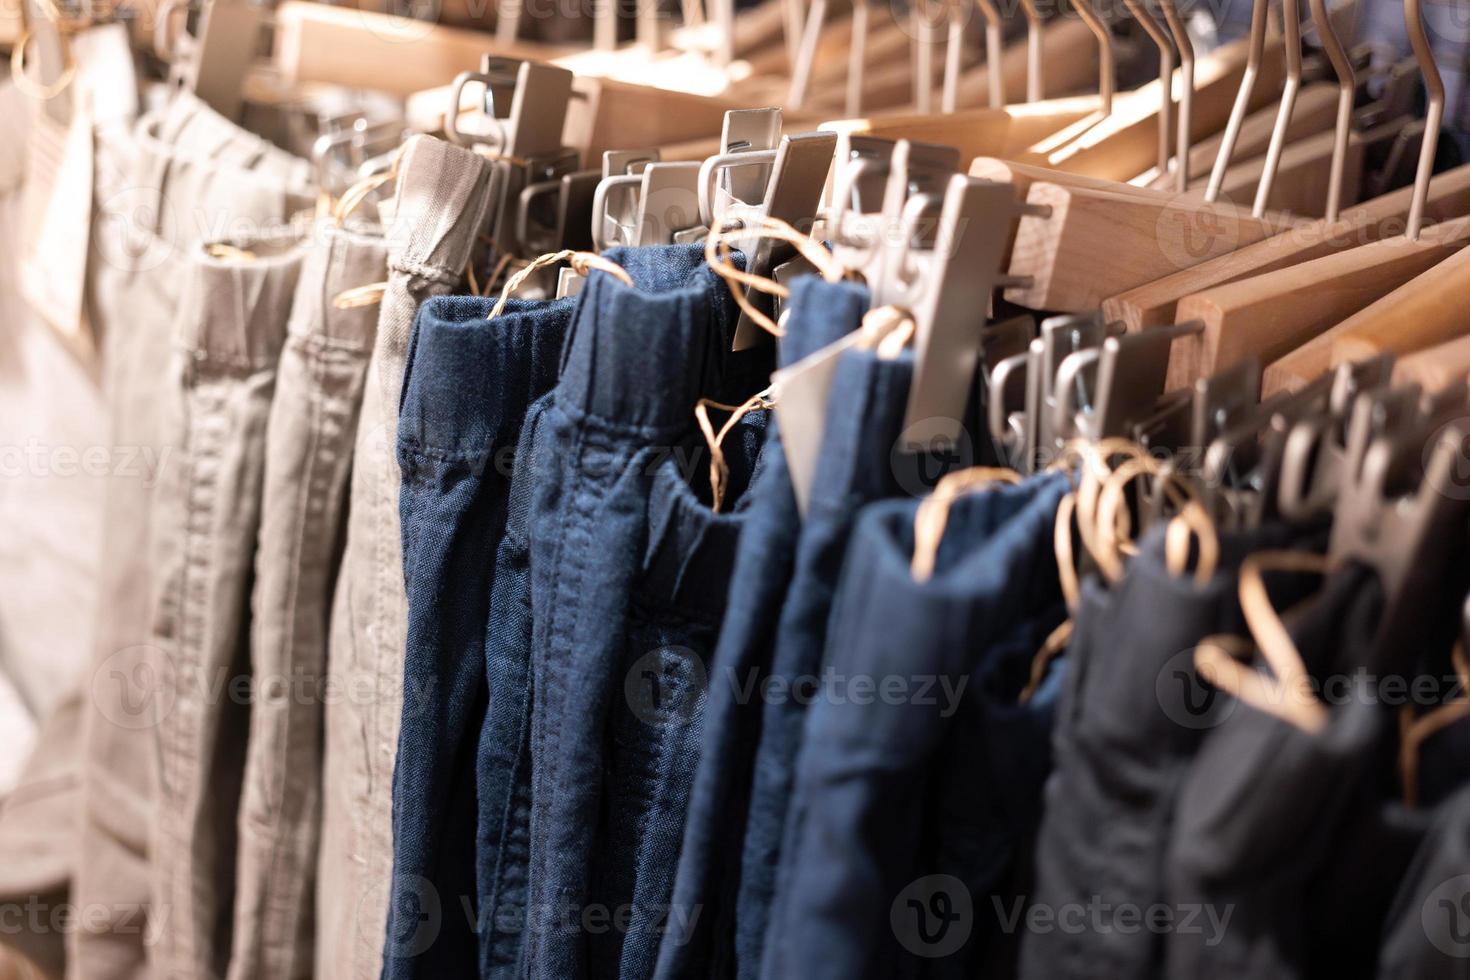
(445, 643)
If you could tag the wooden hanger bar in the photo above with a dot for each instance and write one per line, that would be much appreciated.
(1304, 178)
(362, 49)
(1435, 368)
(1090, 242)
(1154, 304)
(1023, 175)
(1425, 312)
(975, 132)
(1270, 316)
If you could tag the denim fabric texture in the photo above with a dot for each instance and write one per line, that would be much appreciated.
(629, 567)
(468, 383)
(700, 940)
(862, 460)
(941, 777)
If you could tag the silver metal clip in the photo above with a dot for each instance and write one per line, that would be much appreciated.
(525, 144)
(762, 174)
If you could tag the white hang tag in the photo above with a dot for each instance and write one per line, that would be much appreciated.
(801, 392)
(58, 219)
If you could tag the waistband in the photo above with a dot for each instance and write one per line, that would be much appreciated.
(640, 357)
(469, 380)
(996, 547)
(821, 312)
(234, 309)
(338, 259)
(439, 208)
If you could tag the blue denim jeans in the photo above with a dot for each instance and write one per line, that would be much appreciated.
(468, 384)
(862, 460)
(601, 630)
(920, 775)
(698, 942)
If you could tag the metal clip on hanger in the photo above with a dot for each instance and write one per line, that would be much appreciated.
(525, 144)
(1022, 408)
(656, 203)
(1243, 465)
(946, 283)
(1408, 530)
(872, 181)
(1126, 379)
(762, 174)
(214, 63)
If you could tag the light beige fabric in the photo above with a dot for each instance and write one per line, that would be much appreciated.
(143, 184)
(308, 456)
(439, 208)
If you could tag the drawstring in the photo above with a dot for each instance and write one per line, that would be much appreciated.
(933, 511)
(719, 255)
(719, 470)
(582, 262)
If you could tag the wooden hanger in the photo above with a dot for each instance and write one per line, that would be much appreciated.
(1313, 115)
(1125, 143)
(1156, 303)
(975, 132)
(1417, 312)
(1269, 316)
(1435, 368)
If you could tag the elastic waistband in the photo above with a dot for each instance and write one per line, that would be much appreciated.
(639, 357)
(469, 380)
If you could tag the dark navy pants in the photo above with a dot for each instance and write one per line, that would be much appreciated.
(699, 942)
(616, 573)
(919, 774)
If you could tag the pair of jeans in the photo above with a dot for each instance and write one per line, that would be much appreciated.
(863, 459)
(439, 208)
(1132, 716)
(228, 338)
(142, 183)
(628, 571)
(919, 774)
(503, 756)
(700, 938)
(468, 383)
(308, 456)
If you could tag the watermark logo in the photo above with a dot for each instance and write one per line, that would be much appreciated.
(925, 452)
(933, 916)
(131, 687)
(665, 685)
(416, 915)
(1445, 916)
(1186, 698)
